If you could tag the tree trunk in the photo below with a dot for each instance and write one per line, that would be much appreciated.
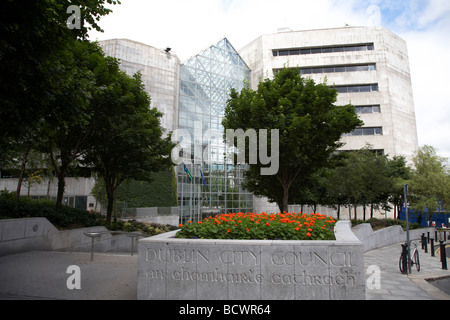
(109, 208)
(22, 171)
(61, 187)
(285, 199)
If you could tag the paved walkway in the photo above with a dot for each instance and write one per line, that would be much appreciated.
(397, 286)
(43, 275)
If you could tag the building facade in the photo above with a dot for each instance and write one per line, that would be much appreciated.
(160, 71)
(213, 184)
(367, 65)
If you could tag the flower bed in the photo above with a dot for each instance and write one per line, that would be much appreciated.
(249, 226)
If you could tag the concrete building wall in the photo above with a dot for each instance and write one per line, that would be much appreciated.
(392, 74)
(160, 74)
(75, 188)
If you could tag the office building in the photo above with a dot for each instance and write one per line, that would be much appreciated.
(368, 66)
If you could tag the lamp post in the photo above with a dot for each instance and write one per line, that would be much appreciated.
(405, 192)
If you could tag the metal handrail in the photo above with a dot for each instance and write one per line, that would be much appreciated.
(97, 234)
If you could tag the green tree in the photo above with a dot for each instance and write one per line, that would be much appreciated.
(33, 32)
(363, 178)
(310, 128)
(65, 132)
(400, 173)
(127, 139)
(429, 184)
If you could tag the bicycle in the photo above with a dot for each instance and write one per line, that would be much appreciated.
(412, 261)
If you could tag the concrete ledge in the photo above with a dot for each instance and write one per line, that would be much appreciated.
(386, 236)
(38, 234)
(201, 269)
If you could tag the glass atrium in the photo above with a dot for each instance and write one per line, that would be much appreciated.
(209, 183)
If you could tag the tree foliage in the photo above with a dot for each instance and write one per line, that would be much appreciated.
(429, 186)
(33, 34)
(310, 128)
(127, 137)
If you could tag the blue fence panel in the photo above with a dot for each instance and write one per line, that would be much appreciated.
(438, 218)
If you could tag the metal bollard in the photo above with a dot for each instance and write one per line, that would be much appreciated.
(426, 245)
(92, 235)
(432, 247)
(443, 255)
(404, 258)
(423, 240)
(428, 236)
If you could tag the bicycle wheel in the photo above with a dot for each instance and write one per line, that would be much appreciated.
(416, 260)
(400, 263)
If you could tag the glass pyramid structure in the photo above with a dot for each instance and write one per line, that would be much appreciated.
(208, 183)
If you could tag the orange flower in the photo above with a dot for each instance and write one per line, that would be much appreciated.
(200, 222)
(267, 224)
(308, 234)
(297, 228)
(228, 231)
(180, 225)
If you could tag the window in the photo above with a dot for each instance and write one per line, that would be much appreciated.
(357, 88)
(367, 109)
(317, 50)
(367, 131)
(334, 69)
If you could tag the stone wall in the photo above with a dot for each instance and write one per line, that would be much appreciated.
(386, 236)
(173, 269)
(38, 234)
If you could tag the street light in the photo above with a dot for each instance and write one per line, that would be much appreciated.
(405, 192)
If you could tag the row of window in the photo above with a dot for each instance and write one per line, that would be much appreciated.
(334, 69)
(332, 49)
(368, 131)
(367, 109)
(357, 88)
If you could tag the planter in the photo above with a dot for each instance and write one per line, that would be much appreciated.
(197, 269)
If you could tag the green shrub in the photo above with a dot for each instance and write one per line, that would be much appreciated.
(377, 224)
(63, 217)
(66, 217)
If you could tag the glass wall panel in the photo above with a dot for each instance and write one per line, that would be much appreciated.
(206, 81)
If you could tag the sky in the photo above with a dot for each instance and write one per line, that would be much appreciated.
(189, 26)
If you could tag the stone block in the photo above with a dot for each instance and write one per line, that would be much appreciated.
(193, 269)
